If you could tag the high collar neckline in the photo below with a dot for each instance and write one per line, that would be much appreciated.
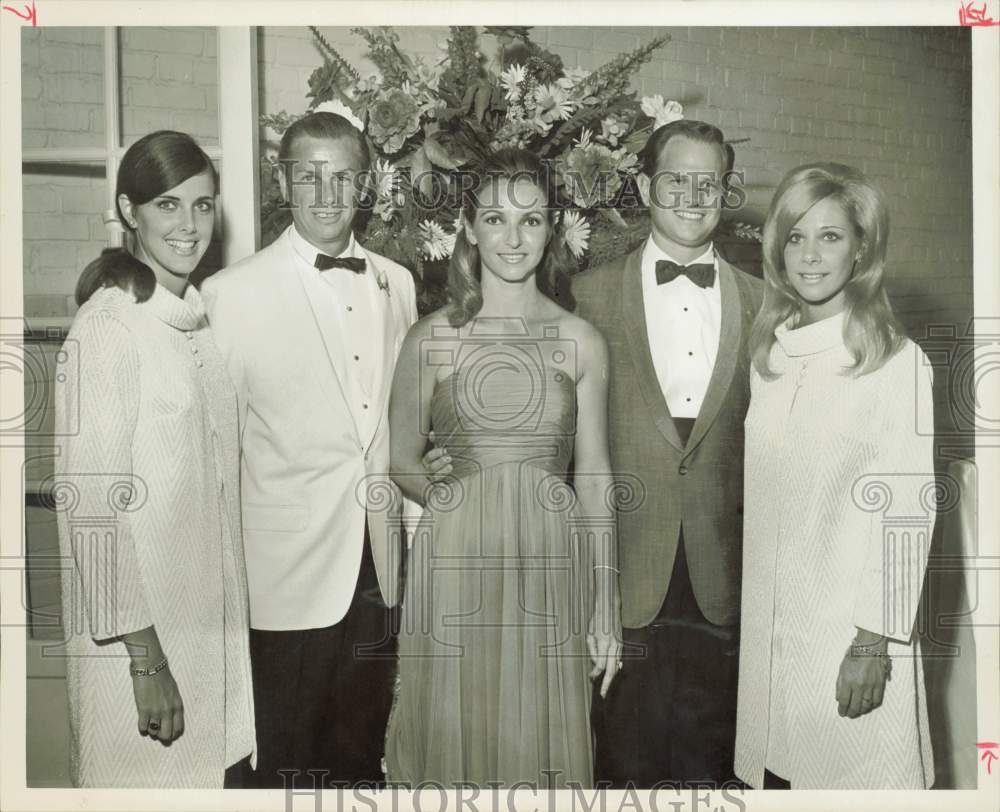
(811, 338)
(183, 314)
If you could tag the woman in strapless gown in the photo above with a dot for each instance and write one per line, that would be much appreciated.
(511, 603)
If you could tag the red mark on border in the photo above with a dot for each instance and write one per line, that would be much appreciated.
(29, 15)
(989, 756)
(968, 14)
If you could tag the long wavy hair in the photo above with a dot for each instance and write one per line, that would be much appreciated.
(872, 333)
(153, 165)
(465, 293)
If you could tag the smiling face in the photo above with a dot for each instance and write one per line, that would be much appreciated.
(685, 196)
(173, 229)
(511, 229)
(819, 257)
(320, 188)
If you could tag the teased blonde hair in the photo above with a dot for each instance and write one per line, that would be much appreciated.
(872, 333)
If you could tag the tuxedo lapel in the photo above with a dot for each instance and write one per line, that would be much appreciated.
(305, 324)
(634, 319)
(726, 358)
(388, 305)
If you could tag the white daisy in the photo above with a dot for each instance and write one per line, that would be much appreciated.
(511, 80)
(437, 243)
(576, 232)
(551, 103)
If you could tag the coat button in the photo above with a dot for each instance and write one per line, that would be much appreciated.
(683, 470)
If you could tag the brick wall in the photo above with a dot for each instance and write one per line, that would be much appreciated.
(896, 103)
(168, 81)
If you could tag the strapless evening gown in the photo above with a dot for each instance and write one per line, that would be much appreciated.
(493, 666)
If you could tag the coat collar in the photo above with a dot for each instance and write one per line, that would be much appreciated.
(182, 314)
(634, 319)
(812, 338)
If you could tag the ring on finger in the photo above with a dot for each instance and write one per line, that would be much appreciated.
(620, 664)
(154, 726)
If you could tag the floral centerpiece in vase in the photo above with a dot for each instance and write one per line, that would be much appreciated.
(426, 122)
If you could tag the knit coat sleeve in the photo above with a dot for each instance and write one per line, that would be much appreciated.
(900, 497)
(95, 473)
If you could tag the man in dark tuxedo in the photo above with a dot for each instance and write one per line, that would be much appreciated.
(677, 318)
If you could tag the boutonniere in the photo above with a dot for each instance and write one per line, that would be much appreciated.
(382, 280)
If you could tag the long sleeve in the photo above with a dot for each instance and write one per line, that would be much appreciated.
(899, 492)
(95, 486)
(223, 322)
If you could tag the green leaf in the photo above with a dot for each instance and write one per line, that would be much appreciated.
(469, 98)
(484, 91)
(420, 172)
(636, 140)
(437, 154)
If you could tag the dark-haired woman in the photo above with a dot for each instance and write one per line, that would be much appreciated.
(839, 504)
(155, 607)
(511, 602)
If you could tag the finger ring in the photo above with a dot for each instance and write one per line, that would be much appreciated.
(620, 664)
(154, 726)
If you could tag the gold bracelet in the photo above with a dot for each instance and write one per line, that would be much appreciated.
(606, 567)
(148, 672)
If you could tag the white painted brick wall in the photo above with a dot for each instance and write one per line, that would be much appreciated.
(894, 102)
(168, 81)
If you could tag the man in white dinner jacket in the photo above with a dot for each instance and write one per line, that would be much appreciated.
(310, 328)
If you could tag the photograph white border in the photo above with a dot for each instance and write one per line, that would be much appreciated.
(986, 251)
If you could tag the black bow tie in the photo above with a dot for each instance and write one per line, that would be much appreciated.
(325, 263)
(702, 273)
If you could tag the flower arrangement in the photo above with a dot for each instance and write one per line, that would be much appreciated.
(425, 122)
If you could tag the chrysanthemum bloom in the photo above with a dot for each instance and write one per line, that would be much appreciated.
(591, 174)
(393, 118)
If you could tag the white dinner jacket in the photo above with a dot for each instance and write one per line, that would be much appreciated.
(309, 475)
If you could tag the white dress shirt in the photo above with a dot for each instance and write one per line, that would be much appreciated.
(683, 323)
(348, 300)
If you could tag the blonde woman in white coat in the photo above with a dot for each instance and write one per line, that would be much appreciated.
(146, 488)
(830, 591)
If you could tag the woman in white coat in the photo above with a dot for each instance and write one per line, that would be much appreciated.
(831, 582)
(146, 488)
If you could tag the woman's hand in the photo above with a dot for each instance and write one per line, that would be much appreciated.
(437, 463)
(158, 702)
(604, 643)
(159, 706)
(862, 677)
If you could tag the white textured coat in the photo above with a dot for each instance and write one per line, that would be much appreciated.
(838, 516)
(147, 493)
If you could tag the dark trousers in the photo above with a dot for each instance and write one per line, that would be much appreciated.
(670, 716)
(322, 696)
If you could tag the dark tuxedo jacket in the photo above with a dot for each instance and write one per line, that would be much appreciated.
(699, 485)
